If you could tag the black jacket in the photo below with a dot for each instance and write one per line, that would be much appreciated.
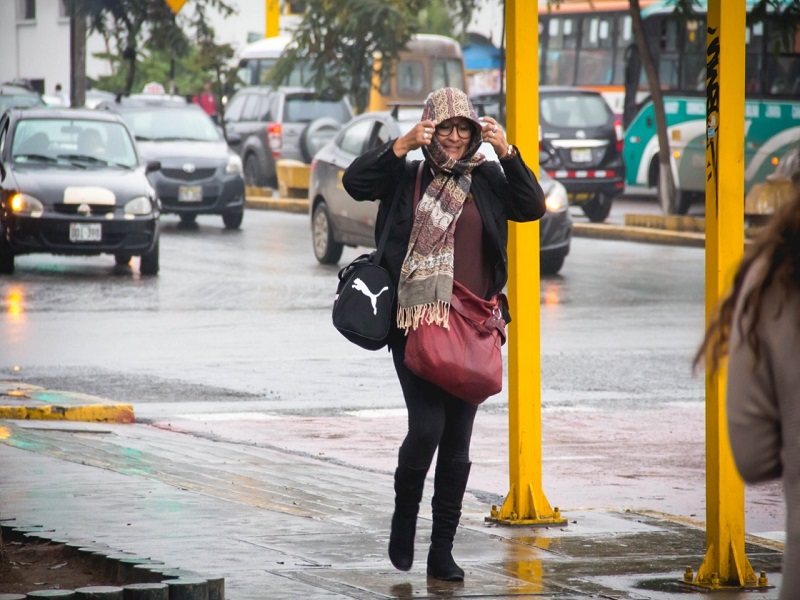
(501, 194)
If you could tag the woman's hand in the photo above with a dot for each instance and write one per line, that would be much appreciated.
(418, 136)
(492, 132)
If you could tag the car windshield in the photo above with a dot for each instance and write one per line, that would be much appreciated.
(301, 109)
(575, 110)
(160, 124)
(80, 143)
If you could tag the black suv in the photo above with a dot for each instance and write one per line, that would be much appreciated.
(263, 125)
(581, 146)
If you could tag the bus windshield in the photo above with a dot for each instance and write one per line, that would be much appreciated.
(584, 44)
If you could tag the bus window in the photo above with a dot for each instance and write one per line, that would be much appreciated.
(596, 59)
(561, 57)
(624, 38)
(429, 62)
(410, 77)
(446, 73)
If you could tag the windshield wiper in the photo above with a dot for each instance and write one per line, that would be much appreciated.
(39, 157)
(85, 158)
(177, 139)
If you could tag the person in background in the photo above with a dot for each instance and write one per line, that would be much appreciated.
(207, 101)
(757, 325)
(457, 232)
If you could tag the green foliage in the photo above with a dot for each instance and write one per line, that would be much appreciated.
(339, 38)
(436, 18)
(151, 42)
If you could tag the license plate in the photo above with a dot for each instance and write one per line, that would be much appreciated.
(85, 232)
(581, 155)
(190, 193)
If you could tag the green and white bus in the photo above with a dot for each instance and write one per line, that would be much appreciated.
(772, 109)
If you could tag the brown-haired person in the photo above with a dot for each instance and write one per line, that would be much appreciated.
(457, 232)
(757, 325)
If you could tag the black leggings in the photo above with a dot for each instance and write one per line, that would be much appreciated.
(435, 419)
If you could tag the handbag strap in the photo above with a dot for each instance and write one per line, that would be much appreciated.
(378, 254)
(418, 184)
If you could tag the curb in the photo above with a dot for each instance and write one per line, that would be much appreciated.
(134, 577)
(22, 401)
(654, 229)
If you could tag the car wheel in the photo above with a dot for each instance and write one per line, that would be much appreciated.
(598, 208)
(552, 262)
(316, 135)
(233, 220)
(6, 257)
(148, 263)
(252, 171)
(122, 260)
(327, 250)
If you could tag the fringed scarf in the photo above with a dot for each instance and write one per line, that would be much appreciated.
(426, 276)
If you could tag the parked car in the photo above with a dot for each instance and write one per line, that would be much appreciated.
(582, 139)
(264, 125)
(337, 220)
(200, 174)
(581, 143)
(72, 182)
(16, 95)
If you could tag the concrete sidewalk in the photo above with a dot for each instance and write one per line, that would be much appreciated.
(279, 524)
(279, 519)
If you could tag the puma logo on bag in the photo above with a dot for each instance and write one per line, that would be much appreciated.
(373, 298)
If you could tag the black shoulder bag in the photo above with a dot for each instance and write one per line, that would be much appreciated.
(362, 308)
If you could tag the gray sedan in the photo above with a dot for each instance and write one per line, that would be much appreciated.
(337, 220)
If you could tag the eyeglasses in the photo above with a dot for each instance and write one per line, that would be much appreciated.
(464, 130)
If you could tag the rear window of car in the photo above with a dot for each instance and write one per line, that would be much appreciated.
(305, 110)
(575, 110)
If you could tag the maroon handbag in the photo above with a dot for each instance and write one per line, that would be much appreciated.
(465, 360)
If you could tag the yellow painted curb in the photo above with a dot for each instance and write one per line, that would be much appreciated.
(295, 205)
(25, 402)
(100, 413)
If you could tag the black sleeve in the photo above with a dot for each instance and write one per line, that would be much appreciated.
(523, 196)
(375, 174)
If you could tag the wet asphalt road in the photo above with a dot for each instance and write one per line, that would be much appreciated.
(236, 329)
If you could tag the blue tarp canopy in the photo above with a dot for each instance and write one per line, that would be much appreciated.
(481, 57)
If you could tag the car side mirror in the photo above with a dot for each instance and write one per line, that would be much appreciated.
(543, 156)
(233, 137)
(152, 166)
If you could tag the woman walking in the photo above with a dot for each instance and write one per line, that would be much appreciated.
(457, 231)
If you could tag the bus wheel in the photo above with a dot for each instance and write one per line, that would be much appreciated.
(598, 208)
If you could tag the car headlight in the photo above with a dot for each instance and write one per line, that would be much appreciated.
(26, 205)
(556, 199)
(139, 206)
(234, 164)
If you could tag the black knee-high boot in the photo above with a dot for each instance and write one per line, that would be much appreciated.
(450, 482)
(408, 486)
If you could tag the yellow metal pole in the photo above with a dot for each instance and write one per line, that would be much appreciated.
(725, 563)
(273, 15)
(526, 503)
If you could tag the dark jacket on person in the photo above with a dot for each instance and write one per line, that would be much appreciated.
(515, 197)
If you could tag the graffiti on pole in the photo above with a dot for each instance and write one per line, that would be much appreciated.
(712, 105)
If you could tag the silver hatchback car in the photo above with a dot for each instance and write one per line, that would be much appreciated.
(337, 220)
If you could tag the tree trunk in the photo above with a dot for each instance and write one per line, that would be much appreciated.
(667, 195)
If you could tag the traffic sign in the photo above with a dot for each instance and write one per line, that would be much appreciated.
(175, 5)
